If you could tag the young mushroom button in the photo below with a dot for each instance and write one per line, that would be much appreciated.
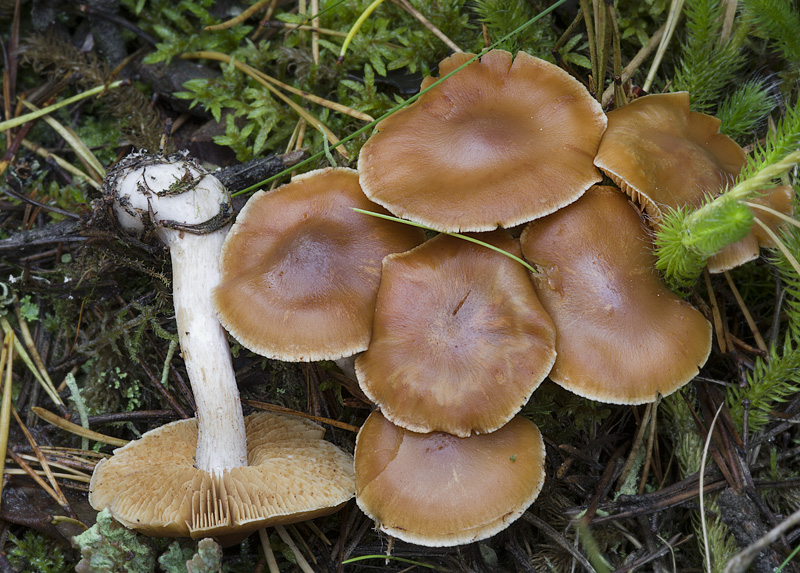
(219, 475)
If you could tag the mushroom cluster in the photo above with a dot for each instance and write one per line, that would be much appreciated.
(462, 335)
(454, 338)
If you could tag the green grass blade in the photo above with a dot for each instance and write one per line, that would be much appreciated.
(457, 235)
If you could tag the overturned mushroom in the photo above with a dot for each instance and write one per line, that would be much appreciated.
(213, 482)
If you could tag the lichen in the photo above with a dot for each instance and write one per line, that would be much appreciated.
(108, 546)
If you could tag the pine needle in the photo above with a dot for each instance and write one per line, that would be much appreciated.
(37, 113)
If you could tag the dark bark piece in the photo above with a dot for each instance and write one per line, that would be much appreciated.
(742, 517)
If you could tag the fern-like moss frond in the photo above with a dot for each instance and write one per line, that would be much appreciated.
(779, 22)
(790, 236)
(706, 68)
(504, 16)
(770, 383)
(773, 381)
(784, 140)
(746, 109)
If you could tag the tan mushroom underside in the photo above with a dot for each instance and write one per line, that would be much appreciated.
(621, 336)
(440, 490)
(151, 484)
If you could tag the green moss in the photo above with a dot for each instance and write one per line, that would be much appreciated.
(36, 553)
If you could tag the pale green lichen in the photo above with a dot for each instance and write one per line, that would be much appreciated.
(207, 558)
(108, 546)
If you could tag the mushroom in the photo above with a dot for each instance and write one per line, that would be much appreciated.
(153, 484)
(621, 336)
(212, 474)
(460, 340)
(440, 490)
(735, 254)
(300, 268)
(780, 199)
(663, 155)
(498, 143)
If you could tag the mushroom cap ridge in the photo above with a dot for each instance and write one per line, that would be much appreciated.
(498, 143)
(151, 484)
(622, 337)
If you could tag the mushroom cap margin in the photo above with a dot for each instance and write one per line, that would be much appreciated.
(622, 337)
(300, 269)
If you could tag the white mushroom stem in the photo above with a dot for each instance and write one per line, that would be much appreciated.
(165, 191)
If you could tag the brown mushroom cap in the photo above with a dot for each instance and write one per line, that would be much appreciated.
(663, 155)
(498, 143)
(300, 269)
(779, 199)
(440, 490)
(151, 484)
(621, 335)
(735, 254)
(460, 340)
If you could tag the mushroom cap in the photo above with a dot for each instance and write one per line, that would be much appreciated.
(460, 340)
(734, 255)
(300, 268)
(151, 484)
(498, 143)
(621, 336)
(663, 155)
(440, 490)
(780, 199)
